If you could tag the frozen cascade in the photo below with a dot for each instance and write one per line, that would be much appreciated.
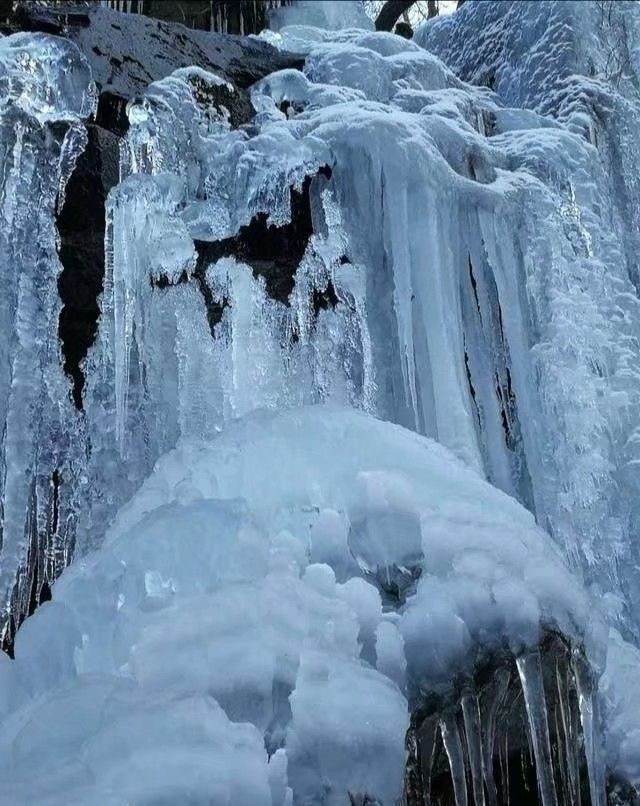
(47, 92)
(297, 309)
(530, 673)
(585, 293)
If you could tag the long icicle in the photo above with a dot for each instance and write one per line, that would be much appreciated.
(530, 671)
(455, 754)
(471, 716)
(589, 717)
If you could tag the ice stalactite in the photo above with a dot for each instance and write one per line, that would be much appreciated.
(47, 92)
(228, 275)
(530, 672)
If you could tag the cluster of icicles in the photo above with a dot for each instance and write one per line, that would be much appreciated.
(524, 727)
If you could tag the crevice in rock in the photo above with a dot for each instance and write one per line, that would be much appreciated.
(472, 390)
(323, 299)
(111, 113)
(81, 227)
(474, 287)
(273, 253)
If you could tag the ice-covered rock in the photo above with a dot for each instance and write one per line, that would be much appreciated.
(480, 281)
(573, 64)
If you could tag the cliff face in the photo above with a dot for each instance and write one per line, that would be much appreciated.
(223, 16)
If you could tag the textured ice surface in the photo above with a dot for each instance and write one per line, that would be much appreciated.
(619, 686)
(229, 641)
(576, 64)
(46, 92)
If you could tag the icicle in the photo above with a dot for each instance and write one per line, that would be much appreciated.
(530, 671)
(589, 717)
(124, 266)
(73, 145)
(504, 768)
(471, 716)
(455, 754)
(567, 738)
(488, 722)
(428, 740)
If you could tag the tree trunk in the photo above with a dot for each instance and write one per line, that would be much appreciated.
(390, 12)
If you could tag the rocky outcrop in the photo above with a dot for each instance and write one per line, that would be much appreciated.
(129, 51)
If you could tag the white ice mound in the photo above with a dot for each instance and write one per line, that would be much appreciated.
(249, 630)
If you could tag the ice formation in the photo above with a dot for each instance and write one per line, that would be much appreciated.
(342, 349)
(235, 612)
(47, 92)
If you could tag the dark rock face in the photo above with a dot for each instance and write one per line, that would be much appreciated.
(273, 253)
(81, 225)
(128, 51)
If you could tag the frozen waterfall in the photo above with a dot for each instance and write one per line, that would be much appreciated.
(345, 474)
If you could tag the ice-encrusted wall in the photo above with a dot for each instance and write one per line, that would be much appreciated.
(576, 64)
(381, 236)
(479, 259)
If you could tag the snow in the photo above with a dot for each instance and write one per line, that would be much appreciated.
(204, 649)
(620, 693)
